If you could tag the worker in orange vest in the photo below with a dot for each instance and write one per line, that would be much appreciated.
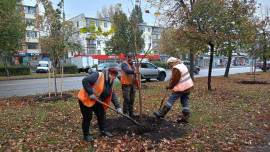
(97, 86)
(182, 85)
(128, 80)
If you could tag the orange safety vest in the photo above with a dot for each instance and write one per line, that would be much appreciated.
(185, 81)
(97, 90)
(126, 78)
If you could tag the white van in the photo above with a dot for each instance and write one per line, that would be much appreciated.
(43, 66)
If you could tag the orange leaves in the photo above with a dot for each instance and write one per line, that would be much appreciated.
(147, 11)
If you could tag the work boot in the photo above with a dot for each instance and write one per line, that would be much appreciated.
(132, 114)
(125, 108)
(184, 118)
(162, 112)
(88, 138)
(131, 111)
(104, 132)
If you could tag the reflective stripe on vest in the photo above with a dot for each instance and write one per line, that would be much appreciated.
(97, 90)
(185, 81)
(126, 78)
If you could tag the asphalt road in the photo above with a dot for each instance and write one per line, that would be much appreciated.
(9, 88)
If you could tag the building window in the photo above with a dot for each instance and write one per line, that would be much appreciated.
(97, 24)
(32, 45)
(92, 42)
(98, 42)
(30, 21)
(99, 52)
(149, 29)
(149, 38)
(78, 24)
(141, 28)
(155, 52)
(29, 10)
(32, 34)
(156, 29)
(105, 24)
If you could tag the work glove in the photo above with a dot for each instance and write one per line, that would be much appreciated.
(167, 87)
(119, 110)
(93, 97)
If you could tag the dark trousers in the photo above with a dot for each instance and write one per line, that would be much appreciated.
(87, 116)
(129, 97)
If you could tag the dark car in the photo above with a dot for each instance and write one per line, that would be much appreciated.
(105, 66)
(267, 65)
(196, 68)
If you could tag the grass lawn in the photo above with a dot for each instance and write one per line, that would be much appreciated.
(232, 117)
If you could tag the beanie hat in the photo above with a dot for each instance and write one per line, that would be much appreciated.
(113, 71)
(172, 60)
(129, 54)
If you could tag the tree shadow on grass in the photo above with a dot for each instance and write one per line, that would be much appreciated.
(154, 129)
(252, 82)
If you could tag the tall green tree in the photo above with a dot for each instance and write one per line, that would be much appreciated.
(136, 14)
(12, 29)
(123, 40)
(56, 33)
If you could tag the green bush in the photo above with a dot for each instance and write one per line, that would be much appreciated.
(162, 64)
(69, 69)
(15, 70)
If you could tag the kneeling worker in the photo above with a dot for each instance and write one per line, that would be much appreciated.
(97, 86)
(182, 85)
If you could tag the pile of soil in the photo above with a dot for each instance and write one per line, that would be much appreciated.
(253, 82)
(153, 128)
(53, 98)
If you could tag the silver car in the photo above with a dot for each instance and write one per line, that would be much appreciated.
(149, 71)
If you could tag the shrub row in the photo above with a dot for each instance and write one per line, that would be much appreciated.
(69, 69)
(15, 70)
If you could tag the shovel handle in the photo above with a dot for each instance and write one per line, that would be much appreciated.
(118, 112)
(163, 100)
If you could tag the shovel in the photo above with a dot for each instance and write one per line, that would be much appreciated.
(119, 113)
(163, 100)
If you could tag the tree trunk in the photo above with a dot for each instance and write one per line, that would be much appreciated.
(254, 73)
(5, 64)
(264, 64)
(210, 65)
(226, 75)
(191, 64)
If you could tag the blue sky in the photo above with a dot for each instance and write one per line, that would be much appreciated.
(90, 7)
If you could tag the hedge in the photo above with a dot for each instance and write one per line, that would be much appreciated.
(69, 69)
(15, 70)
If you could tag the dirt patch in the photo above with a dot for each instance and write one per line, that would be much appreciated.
(45, 98)
(143, 87)
(154, 129)
(253, 82)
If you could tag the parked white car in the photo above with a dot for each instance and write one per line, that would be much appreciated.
(149, 71)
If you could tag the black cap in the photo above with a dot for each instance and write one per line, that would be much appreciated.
(129, 54)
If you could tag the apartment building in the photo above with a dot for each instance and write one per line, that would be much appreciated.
(30, 52)
(151, 34)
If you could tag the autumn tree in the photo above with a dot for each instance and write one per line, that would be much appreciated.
(264, 37)
(56, 32)
(12, 29)
(238, 27)
(108, 12)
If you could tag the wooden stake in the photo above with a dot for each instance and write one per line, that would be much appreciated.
(49, 81)
(62, 81)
